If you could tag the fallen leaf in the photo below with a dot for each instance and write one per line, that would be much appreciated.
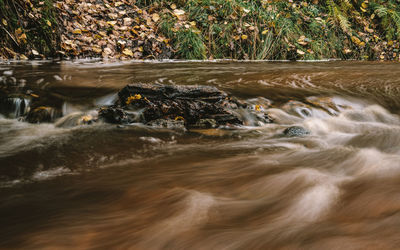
(244, 37)
(155, 17)
(180, 14)
(118, 4)
(18, 31)
(97, 49)
(300, 52)
(127, 52)
(347, 51)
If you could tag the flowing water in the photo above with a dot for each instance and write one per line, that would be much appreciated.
(104, 186)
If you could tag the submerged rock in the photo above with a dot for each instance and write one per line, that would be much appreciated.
(196, 106)
(167, 123)
(296, 131)
(40, 115)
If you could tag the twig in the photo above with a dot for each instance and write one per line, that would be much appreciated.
(9, 34)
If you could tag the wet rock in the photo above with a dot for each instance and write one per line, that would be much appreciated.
(296, 131)
(14, 106)
(205, 123)
(202, 106)
(115, 115)
(40, 115)
(167, 123)
(76, 119)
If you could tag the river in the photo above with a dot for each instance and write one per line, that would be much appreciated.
(104, 186)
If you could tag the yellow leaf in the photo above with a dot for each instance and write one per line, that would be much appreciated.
(18, 31)
(390, 43)
(244, 37)
(77, 31)
(347, 51)
(22, 36)
(300, 52)
(179, 118)
(4, 21)
(355, 40)
(132, 98)
(257, 108)
(127, 52)
(97, 49)
(180, 14)
(264, 32)
(173, 6)
(246, 10)
(364, 4)
(155, 17)
(118, 4)
(369, 30)
(87, 118)
(48, 23)
(112, 23)
(140, 49)
(193, 23)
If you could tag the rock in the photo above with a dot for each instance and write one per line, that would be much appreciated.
(167, 123)
(115, 115)
(14, 106)
(41, 114)
(202, 106)
(76, 119)
(206, 123)
(296, 131)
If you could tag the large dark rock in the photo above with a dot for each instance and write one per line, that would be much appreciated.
(192, 104)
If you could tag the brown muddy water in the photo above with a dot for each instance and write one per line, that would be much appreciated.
(136, 187)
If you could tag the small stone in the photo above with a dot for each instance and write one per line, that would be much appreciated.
(8, 73)
(296, 131)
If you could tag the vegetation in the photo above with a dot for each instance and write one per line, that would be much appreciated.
(27, 28)
(290, 30)
(237, 29)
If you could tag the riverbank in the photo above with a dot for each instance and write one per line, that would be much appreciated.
(255, 30)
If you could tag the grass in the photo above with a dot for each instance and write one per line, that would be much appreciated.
(26, 26)
(243, 29)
